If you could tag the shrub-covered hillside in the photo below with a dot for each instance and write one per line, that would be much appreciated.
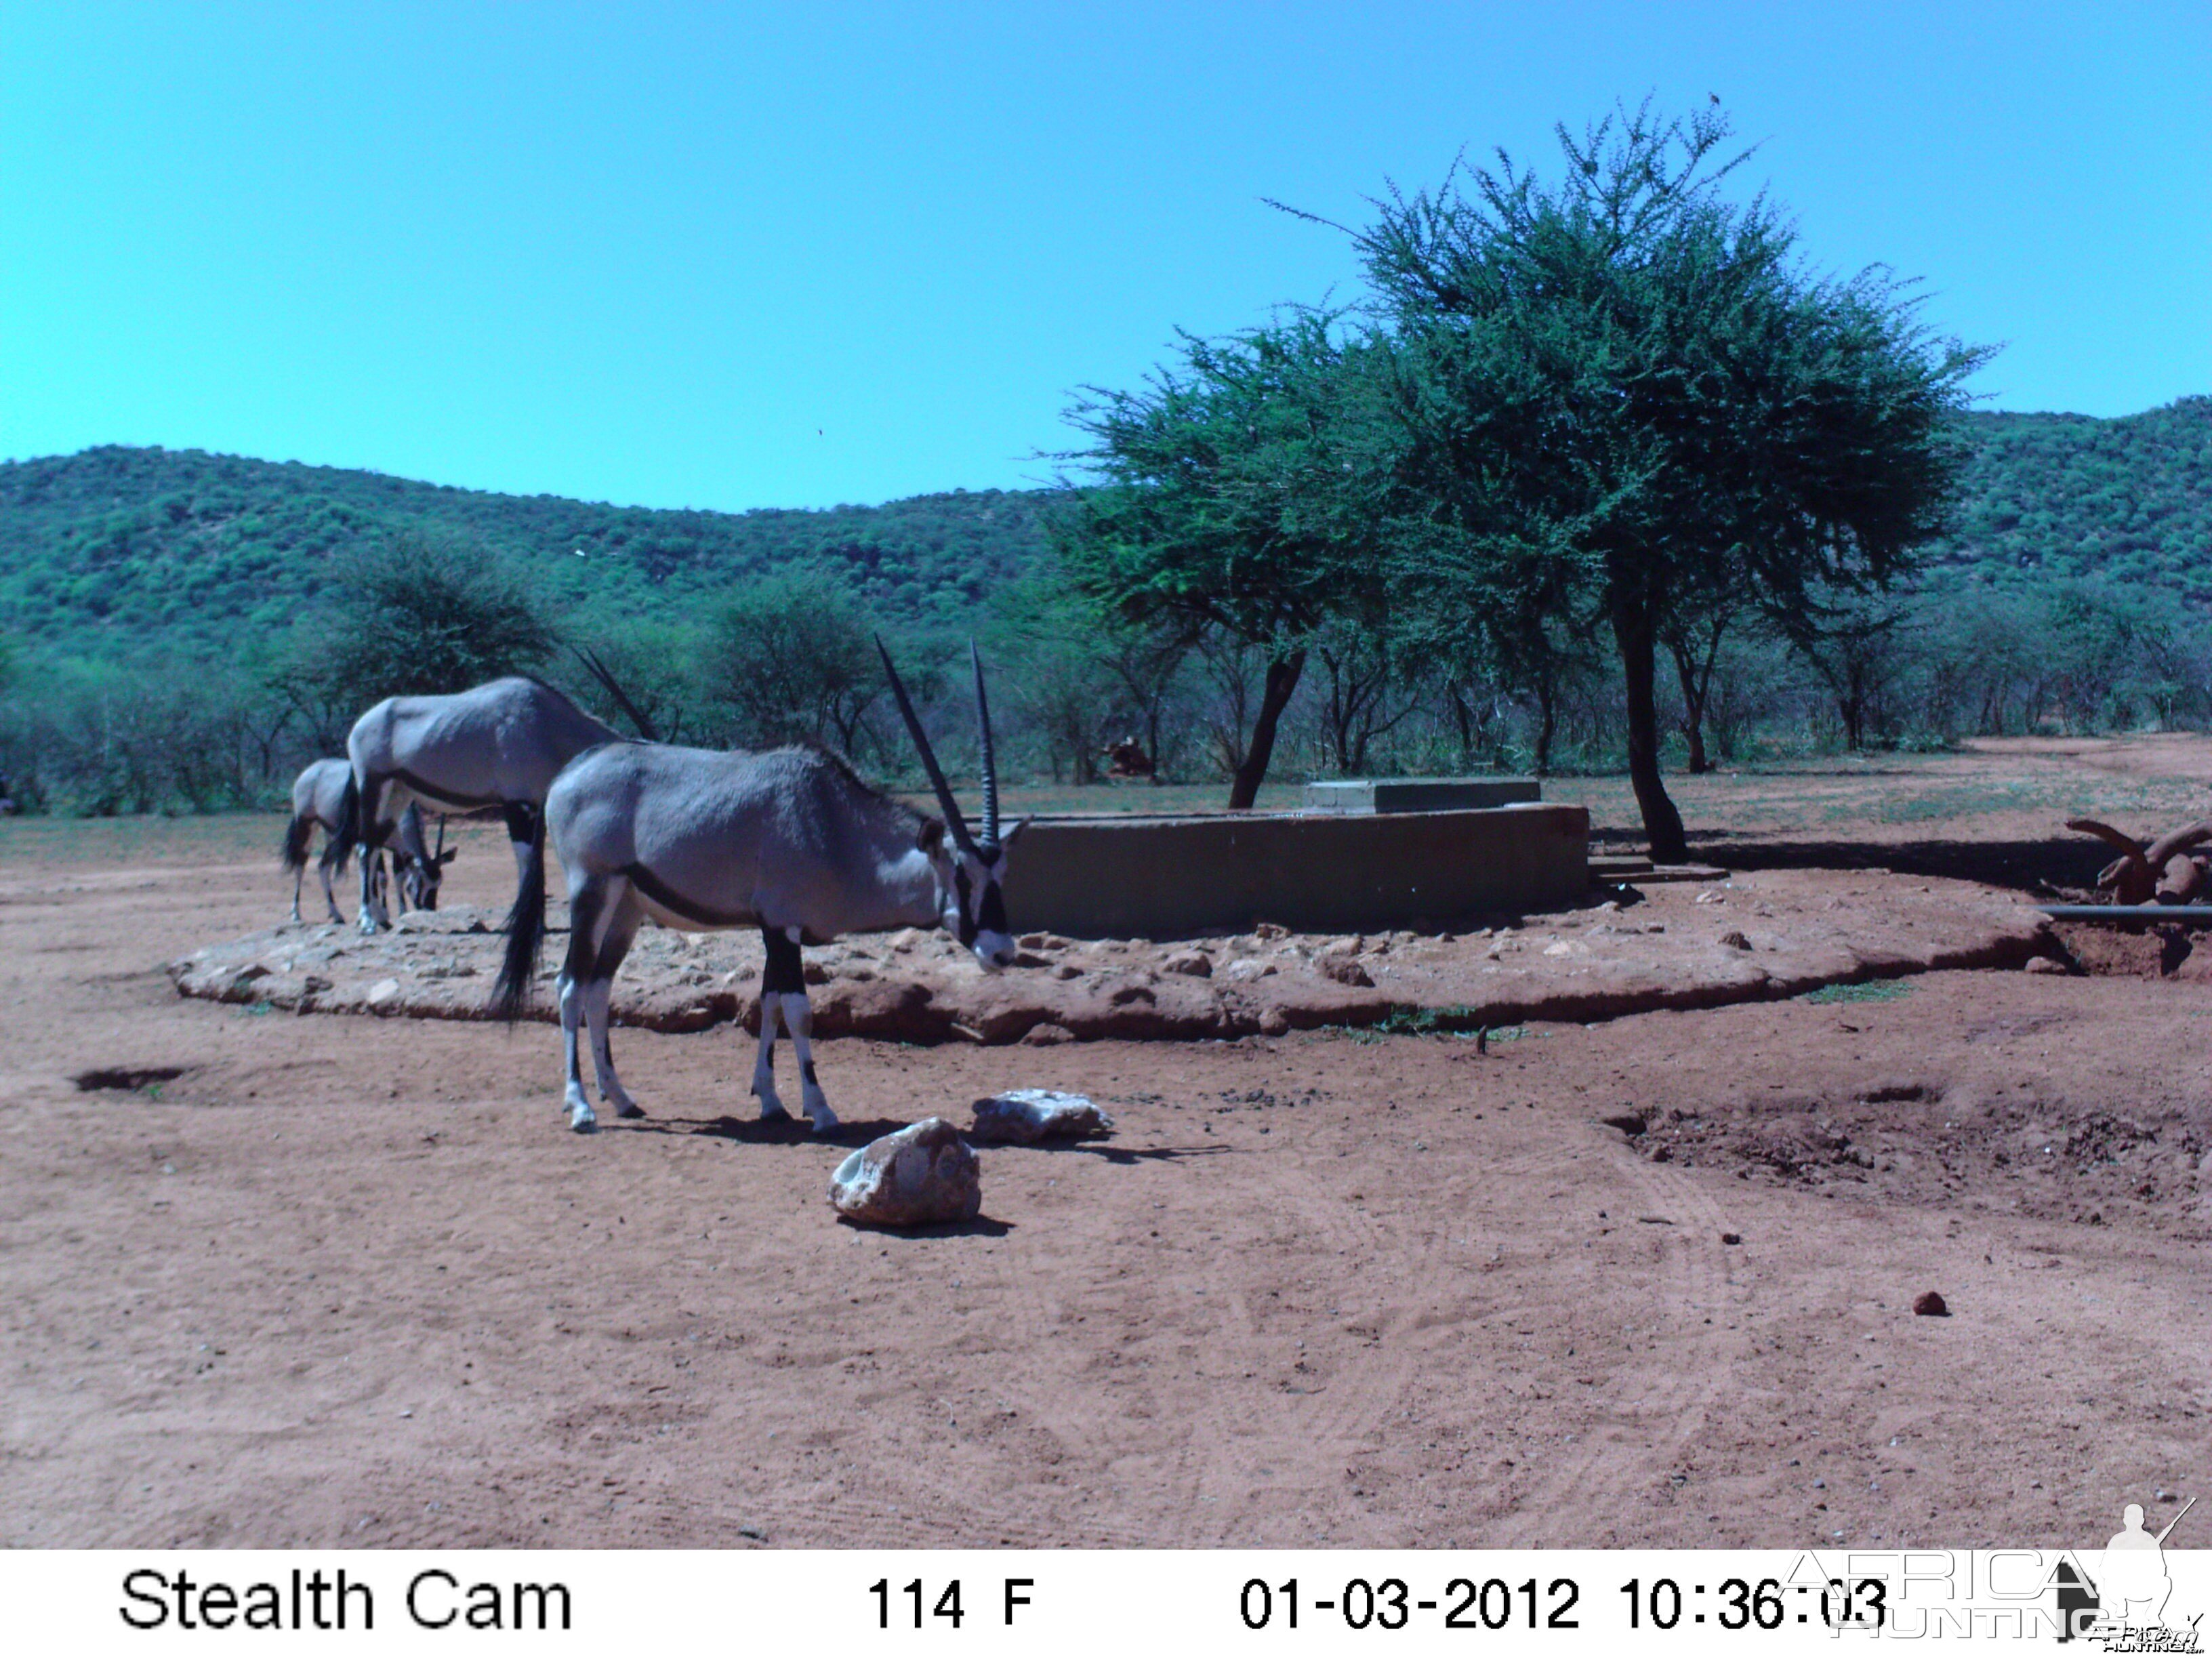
(116, 552)
(2054, 497)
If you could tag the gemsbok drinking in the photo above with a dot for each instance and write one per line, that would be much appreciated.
(496, 745)
(789, 840)
(319, 797)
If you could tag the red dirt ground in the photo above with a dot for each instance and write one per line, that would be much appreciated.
(349, 1279)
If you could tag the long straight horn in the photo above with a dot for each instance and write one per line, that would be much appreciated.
(953, 821)
(990, 762)
(441, 835)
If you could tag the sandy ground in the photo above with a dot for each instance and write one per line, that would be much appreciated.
(349, 1279)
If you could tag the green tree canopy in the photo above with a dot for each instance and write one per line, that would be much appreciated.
(413, 616)
(1626, 399)
(789, 659)
(1237, 498)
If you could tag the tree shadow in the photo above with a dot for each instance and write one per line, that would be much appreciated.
(2035, 866)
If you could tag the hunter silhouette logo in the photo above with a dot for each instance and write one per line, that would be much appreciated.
(2130, 1594)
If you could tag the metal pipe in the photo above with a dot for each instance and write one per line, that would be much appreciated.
(2194, 916)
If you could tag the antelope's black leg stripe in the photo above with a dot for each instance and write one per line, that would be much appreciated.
(785, 974)
(583, 922)
(521, 820)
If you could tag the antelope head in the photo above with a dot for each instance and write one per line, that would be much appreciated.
(419, 878)
(970, 867)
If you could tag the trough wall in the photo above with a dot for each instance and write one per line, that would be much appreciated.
(1164, 877)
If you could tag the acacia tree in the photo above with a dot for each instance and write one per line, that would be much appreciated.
(789, 659)
(1628, 376)
(415, 615)
(1235, 501)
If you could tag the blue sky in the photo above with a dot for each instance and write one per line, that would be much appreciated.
(732, 256)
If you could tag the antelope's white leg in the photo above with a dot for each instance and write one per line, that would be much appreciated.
(603, 1054)
(370, 846)
(800, 1019)
(299, 881)
(329, 894)
(369, 921)
(580, 1116)
(771, 1109)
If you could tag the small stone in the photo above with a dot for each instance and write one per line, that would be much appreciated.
(922, 1174)
(384, 991)
(1194, 963)
(1268, 930)
(1931, 1304)
(2045, 966)
(1344, 970)
(1045, 1034)
(1731, 1238)
(1734, 940)
(1067, 970)
(1274, 1020)
(1026, 1116)
(314, 983)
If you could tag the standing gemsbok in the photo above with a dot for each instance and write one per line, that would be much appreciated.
(790, 842)
(319, 797)
(498, 745)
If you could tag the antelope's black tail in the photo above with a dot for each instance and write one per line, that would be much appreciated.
(525, 931)
(297, 834)
(337, 852)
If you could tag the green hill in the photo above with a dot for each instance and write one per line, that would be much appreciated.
(2057, 497)
(116, 553)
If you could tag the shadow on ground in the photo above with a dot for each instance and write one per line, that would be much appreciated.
(2027, 867)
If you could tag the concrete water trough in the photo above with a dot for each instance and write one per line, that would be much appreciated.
(1334, 871)
(1418, 795)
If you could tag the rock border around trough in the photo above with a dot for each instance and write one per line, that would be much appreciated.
(914, 988)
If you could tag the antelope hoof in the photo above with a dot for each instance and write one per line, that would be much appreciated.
(628, 1108)
(771, 1109)
(583, 1121)
(823, 1121)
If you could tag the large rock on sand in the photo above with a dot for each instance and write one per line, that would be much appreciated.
(1025, 1116)
(923, 1173)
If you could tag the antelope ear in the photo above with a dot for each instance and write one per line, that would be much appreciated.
(929, 835)
(1014, 834)
(447, 857)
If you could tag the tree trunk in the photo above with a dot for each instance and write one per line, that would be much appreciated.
(1282, 680)
(1547, 719)
(1693, 706)
(1662, 825)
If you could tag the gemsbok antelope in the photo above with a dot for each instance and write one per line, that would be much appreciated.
(789, 840)
(319, 797)
(496, 745)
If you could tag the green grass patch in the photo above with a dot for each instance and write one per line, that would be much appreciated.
(1457, 1021)
(1876, 990)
